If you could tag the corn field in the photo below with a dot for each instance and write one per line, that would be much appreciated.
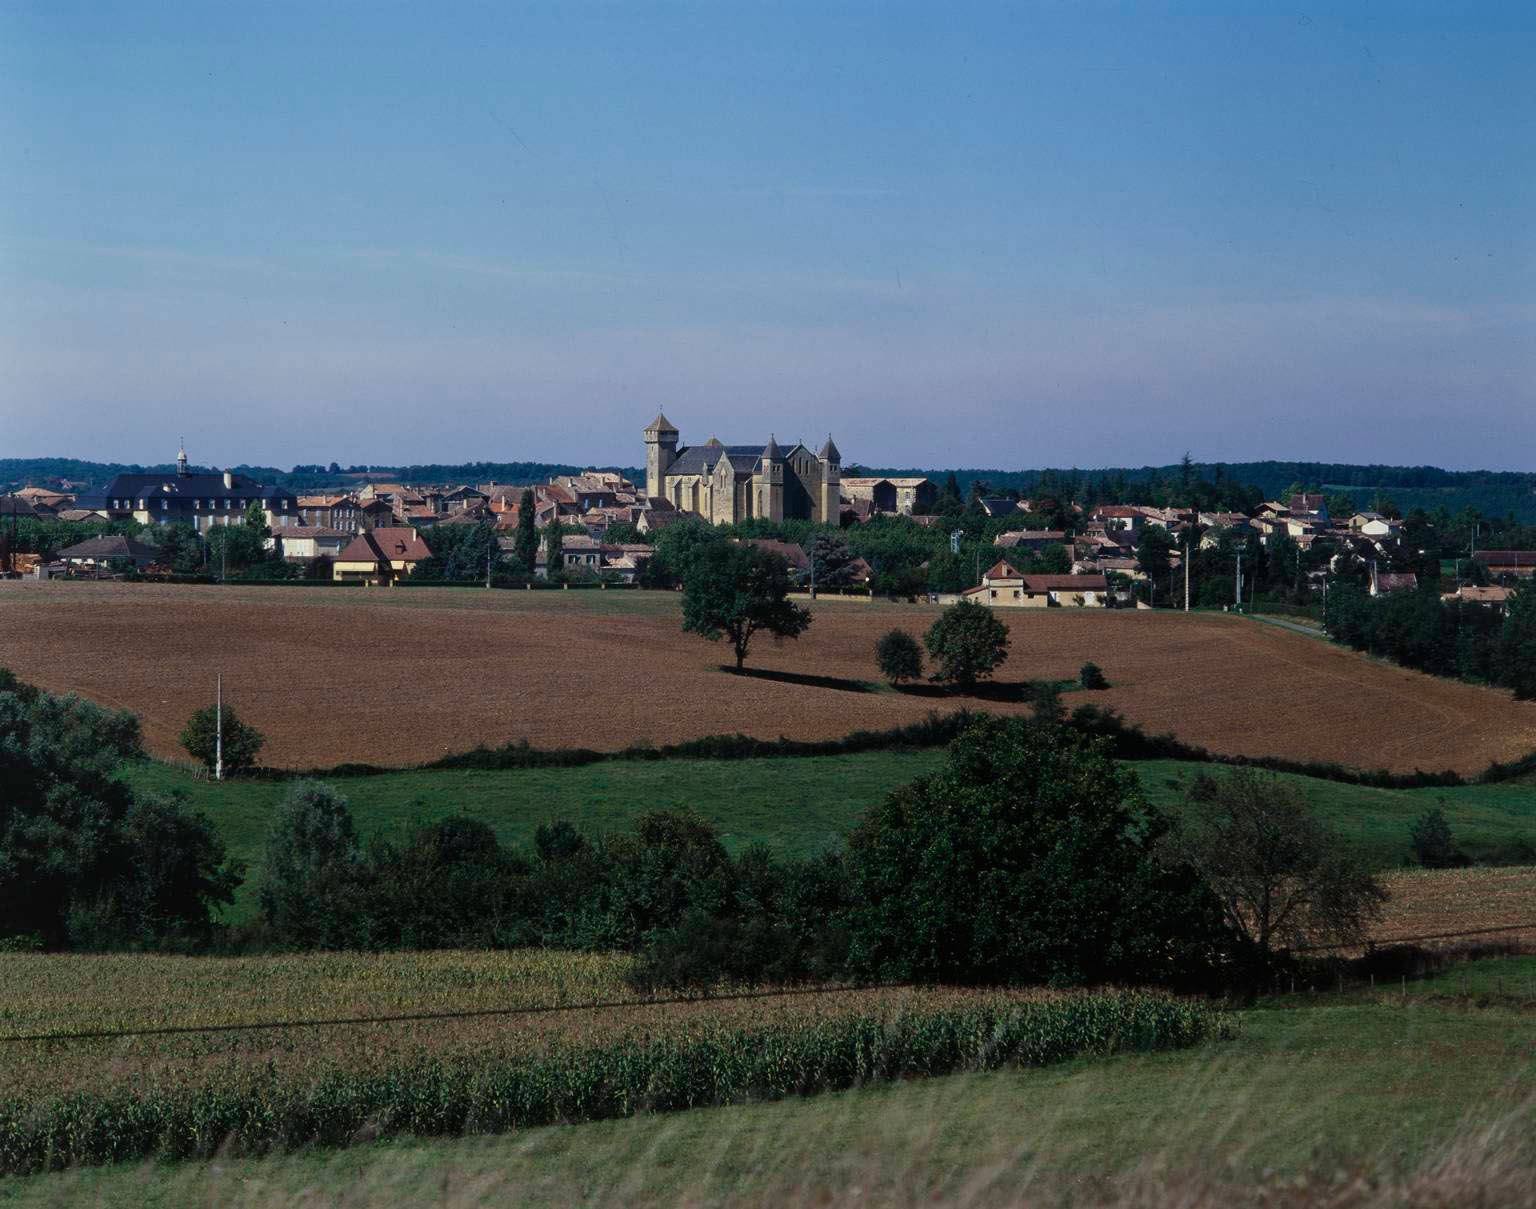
(67, 1102)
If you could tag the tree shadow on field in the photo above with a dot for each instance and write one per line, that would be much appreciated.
(832, 682)
(1011, 692)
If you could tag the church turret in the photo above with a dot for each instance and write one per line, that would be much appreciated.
(830, 505)
(181, 461)
(660, 453)
(768, 483)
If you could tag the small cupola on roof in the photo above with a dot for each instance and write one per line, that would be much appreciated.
(181, 461)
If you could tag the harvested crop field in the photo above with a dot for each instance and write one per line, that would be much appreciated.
(400, 676)
(1429, 902)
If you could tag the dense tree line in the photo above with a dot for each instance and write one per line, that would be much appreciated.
(1444, 638)
(1030, 856)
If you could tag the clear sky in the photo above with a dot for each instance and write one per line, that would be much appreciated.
(952, 234)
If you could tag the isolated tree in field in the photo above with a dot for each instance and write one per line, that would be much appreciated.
(1092, 677)
(899, 657)
(525, 550)
(736, 591)
(241, 742)
(1434, 847)
(968, 642)
(1031, 856)
(1283, 878)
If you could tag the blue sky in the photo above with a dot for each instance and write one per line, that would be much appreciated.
(1014, 235)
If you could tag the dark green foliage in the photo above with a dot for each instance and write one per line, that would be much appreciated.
(80, 859)
(525, 551)
(1444, 638)
(1430, 838)
(735, 591)
(831, 560)
(968, 643)
(1032, 857)
(1517, 643)
(313, 872)
(234, 548)
(1092, 677)
(554, 549)
(1154, 550)
(242, 743)
(444, 1097)
(899, 656)
(174, 875)
(675, 548)
(462, 552)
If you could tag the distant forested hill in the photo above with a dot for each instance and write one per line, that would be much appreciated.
(1493, 493)
(19, 472)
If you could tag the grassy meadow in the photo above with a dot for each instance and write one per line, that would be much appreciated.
(1358, 1087)
(798, 806)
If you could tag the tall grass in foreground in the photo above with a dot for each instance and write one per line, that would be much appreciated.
(253, 1109)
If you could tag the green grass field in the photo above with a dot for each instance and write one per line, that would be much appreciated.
(798, 806)
(1353, 1083)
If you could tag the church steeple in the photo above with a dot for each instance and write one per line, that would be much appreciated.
(181, 460)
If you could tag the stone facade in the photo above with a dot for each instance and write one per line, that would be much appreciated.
(729, 483)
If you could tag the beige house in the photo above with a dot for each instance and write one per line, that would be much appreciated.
(381, 555)
(1004, 586)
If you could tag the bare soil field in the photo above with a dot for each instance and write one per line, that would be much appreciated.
(401, 675)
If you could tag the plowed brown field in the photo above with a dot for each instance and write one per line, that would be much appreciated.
(399, 676)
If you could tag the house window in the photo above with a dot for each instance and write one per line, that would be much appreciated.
(226, 505)
(165, 505)
(141, 504)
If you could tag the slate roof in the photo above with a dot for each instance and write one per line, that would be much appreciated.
(702, 459)
(101, 548)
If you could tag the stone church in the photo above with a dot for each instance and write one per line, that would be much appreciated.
(729, 483)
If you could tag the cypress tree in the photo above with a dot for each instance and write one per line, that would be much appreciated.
(525, 549)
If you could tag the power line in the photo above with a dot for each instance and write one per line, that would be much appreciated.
(1404, 940)
(183, 1029)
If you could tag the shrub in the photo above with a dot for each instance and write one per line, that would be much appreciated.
(312, 873)
(241, 745)
(899, 657)
(1030, 857)
(1092, 677)
(969, 644)
(1433, 845)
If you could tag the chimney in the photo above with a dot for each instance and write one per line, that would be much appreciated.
(229, 481)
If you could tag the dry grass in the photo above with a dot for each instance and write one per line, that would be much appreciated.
(395, 677)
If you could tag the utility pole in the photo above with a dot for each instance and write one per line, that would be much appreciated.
(218, 733)
(1239, 581)
(1188, 553)
(489, 542)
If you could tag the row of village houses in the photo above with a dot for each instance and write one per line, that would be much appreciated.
(375, 532)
